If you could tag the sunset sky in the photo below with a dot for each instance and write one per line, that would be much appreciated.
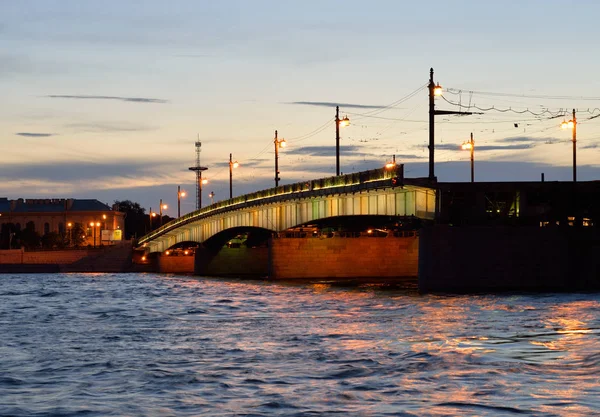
(106, 99)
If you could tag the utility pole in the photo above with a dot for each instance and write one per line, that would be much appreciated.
(431, 87)
(279, 143)
(436, 90)
(574, 147)
(472, 159)
(276, 160)
(337, 140)
(230, 177)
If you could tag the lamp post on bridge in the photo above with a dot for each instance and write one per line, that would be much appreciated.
(162, 206)
(279, 143)
(231, 166)
(180, 195)
(338, 122)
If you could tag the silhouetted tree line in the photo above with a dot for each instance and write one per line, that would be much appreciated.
(137, 222)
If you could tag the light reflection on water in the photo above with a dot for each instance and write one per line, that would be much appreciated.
(145, 344)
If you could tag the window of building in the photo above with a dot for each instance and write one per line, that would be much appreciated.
(46, 228)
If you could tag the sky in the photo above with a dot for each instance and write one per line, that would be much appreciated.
(106, 99)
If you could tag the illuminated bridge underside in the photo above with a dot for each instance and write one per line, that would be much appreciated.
(292, 209)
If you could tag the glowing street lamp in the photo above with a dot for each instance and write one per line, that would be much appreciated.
(162, 206)
(232, 165)
(279, 143)
(180, 195)
(212, 198)
(572, 124)
(69, 226)
(470, 145)
(338, 123)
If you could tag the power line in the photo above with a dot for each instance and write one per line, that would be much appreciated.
(494, 94)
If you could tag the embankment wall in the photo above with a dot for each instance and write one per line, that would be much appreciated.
(473, 259)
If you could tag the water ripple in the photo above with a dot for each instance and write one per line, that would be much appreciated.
(146, 344)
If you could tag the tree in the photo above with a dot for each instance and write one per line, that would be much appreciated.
(136, 220)
(29, 237)
(53, 240)
(77, 236)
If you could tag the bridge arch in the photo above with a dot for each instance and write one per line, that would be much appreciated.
(370, 193)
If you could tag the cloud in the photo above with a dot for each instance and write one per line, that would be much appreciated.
(82, 171)
(525, 139)
(107, 127)
(330, 104)
(34, 135)
(127, 99)
(323, 150)
(456, 147)
(591, 146)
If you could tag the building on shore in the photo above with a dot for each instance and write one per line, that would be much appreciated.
(101, 223)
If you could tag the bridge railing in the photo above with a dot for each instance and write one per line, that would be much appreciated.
(341, 181)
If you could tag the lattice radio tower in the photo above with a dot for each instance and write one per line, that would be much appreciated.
(198, 168)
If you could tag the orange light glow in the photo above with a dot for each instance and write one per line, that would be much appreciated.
(97, 224)
(467, 145)
(186, 252)
(92, 224)
(104, 216)
(153, 214)
(236, 164)
(182, 194)
(282, 143)
(143, 258)
(164, 207)
(344, 122)
(390, 165)
(437, 90)
(204, 181)
(167, 253)
(69, 224)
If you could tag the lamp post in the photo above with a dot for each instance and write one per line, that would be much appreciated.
(94, 226)
(162, 206)
(211, 195)
(231, 166)
(151, 215)
(69, 226)
(470, 145)
(572, 124)
(279, 143)
(180, 195)
(435, 90)
(338, 122)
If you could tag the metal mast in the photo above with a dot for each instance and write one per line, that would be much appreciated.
(198, 168)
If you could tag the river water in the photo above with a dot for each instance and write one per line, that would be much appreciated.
(160, 345)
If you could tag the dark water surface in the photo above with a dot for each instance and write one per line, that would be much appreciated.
(146, 344)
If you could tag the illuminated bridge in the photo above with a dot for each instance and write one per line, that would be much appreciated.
(380, 192)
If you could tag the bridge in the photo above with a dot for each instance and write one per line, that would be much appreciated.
(379, 192)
